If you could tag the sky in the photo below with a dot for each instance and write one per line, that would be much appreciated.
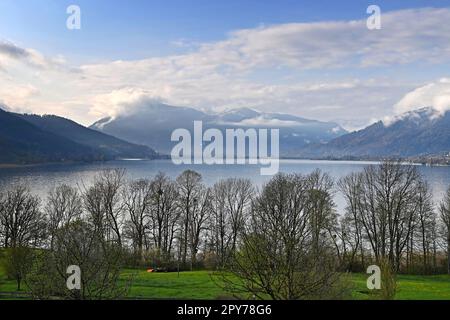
(315, 59)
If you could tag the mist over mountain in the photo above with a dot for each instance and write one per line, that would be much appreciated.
(153, 125)
(416, 133)
(26, 138)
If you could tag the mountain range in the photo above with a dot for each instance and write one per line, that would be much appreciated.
(28, 139)
(422, 132)
(154, 124)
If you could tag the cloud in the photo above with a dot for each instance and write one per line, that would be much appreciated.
(221, 74)
(123, 101)
(435, 94)
(218, 74)
(18, 96)
(12, 52)
(263, 121)
(406, 36)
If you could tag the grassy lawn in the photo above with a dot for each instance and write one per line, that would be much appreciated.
(410, 287)
(188, 285)
(7, 286)
(198, 285)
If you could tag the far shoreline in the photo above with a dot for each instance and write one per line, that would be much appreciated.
(369, 161)
(32, 165)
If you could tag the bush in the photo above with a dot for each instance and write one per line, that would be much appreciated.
(388, 280)
(100, 262)
(17, 263)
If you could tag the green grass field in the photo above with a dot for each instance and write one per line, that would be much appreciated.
(188, 285)
(409, 287)
(199, 285)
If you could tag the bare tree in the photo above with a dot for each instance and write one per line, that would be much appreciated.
(137, 200)
(22, 222)
(4, 232)
(189, 189)
(198, 222)
(387, 208)
(164, 215)
(276, 259)
(230, 201)
(63, 205)
(348, 242)
(351, 227)
(105, 205)
(17, 263)
(426, 222)
(78, 244)
(94, 205)
(445, 217)
(320, 208)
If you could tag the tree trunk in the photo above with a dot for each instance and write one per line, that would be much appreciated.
(448, 252)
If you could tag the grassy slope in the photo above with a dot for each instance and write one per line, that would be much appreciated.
(198, 285)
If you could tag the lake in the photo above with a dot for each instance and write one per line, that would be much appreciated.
(44, 177)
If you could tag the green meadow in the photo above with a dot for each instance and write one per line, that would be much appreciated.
(201, 285)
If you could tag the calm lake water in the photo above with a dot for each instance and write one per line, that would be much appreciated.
(42, 178)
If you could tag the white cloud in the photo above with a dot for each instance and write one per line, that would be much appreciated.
(263, 121)
(435, 94)
(123, 101)
(219, 74)
(406, 36)
(17, 95)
